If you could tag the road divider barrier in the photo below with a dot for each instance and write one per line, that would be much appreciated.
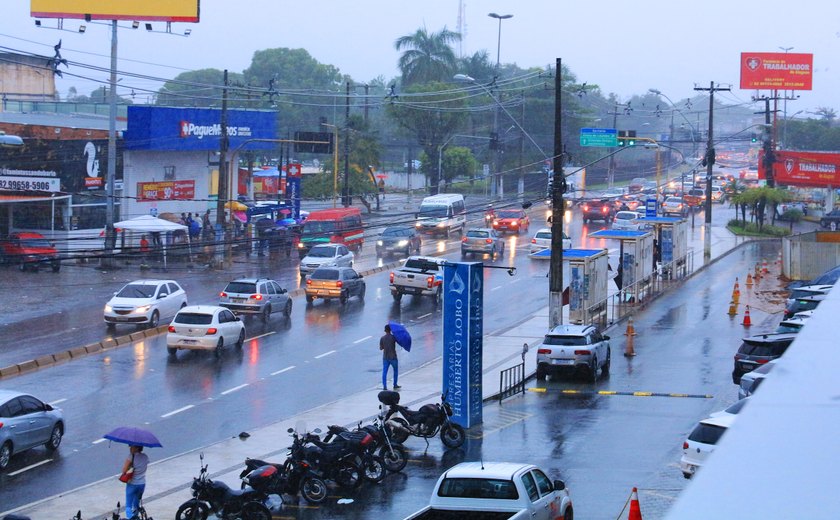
(592, 393)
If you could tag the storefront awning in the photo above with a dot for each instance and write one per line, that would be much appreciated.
(10, 198)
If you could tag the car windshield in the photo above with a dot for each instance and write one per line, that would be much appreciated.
(396, 232)
(735, 408)
(565, 340)
(801, 293)
(241, 287)
(35, 243)
(421, 264)
(478, 234)
(707, 433)
(673, 200)
(543, 234)
(804, 305)
(321, 252)
(435, 211)
(136, 290)
(193, 318)
(829, 278)
(325, 274)
(478, 488)
(507, 213)
(625, 215)
(319, 226)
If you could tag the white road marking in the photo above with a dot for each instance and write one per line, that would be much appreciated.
(496, 288)
(325, 354)
(97, 441)
(261, 336)
(234, 389)
(27, 468)
(283, 370)
(515, 280)
(363, 339)
(424, 316)
(179, 410)
(57, 402)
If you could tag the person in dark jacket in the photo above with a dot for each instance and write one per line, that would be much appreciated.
(388, 346)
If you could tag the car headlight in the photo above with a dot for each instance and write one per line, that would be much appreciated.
(379, 243)
(402, 243)
(440, 224)
(417, 224)
(107, 308)
(142, 309)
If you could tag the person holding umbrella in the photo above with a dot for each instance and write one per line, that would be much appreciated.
(395, 334)
(134, 467)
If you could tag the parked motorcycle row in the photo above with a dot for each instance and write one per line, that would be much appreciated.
(341, 456)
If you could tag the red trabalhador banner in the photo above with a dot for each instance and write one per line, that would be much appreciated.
(166, 190)
(816, 169)
(776, 71)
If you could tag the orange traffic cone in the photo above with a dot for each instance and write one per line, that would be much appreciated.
(757, 272)
(635, 510)
(629, 350)
(736, 289)
(764, 269)
(749, 280)
(747, 321)
(733, 308)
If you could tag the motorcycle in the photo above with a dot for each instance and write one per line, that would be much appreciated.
(393, 454)
(227, 504)
(333, 461)
(363, 445)
(293, 476)
(426, 422)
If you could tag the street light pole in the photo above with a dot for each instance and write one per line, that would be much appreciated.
(784, 108)
(497, 175)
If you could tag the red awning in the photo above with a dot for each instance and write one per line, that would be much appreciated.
(6, 198)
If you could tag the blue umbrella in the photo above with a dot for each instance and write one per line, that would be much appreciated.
(401, 335)
(133, 437)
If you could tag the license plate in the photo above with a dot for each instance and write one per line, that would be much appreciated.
(238, 300)
(747, 366)
(189, 341)
(563, 361)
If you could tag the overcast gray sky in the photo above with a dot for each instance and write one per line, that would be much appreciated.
(624, 47)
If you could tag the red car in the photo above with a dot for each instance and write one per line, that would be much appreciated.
(29, 251)
(511, 220)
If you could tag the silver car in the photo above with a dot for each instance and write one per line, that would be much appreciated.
(326, 255)
(27, 422)
(482, 240)
(574, 348)
(256, 296)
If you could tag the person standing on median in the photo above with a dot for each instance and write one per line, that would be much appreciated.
(388, 346)
(134, 488)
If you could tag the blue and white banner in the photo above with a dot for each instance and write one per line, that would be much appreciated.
(463, 306)
(293, 196)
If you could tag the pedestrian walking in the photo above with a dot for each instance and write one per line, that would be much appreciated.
(144, 250)
(137, 462)
(388, 346)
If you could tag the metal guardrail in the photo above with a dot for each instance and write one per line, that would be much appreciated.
(512, 380)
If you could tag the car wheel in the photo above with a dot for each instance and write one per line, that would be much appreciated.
(832, 226)
(5, 454)
(266, 313)
(569, 514)
(287, 310)
(540, 374)
(310, 299)
(154, 321)
(502, 253)
(110, 326)
(362, 293)
(172, 351)
(437, 295)
(592, 376)
(55, 438)
(342, 299)
(56, 266)
(22, 267)
(241, 340)
(605, 370)
(417, 249)
(219, 346)
(397, 296)
(493, 253)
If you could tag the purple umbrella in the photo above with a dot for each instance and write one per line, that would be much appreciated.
(401, 335)
(133, 437)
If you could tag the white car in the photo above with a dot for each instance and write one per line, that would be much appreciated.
(542, 240)
(204, 327)
(674, 206)
(628, 221)
(807, 290)
(732, 409)
(326, 255)
(701, 442)
(145, 302)
(718, 195)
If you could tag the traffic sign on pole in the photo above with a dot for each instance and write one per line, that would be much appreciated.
(607, 137)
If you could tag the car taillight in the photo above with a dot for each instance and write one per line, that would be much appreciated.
(172, 328)
(685, 445)
(308, 281)
(392, 277)
(582, 352)
(761, 361)
(533, 240)
(495, 222)
(464, 239)
(256, 296)
(488, 240)
(604, 209)
(544, 351)
(211, 331)
(1, 425)
(586, 208)
(514, 223)
(223, 294)
(339, 284)
(430, 281)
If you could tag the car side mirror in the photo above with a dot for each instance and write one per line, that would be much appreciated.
(47, 407)
(162, 296)
(559, 485)
(606, 337)
(237, 318)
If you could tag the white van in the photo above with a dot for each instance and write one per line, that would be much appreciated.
(442, 214)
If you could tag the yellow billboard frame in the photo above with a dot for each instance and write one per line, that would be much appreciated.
(151, 10)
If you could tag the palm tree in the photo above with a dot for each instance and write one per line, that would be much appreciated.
(477, 66)
(427, 56)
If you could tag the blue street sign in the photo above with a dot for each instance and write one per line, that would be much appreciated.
(650, 207)
(599, 137)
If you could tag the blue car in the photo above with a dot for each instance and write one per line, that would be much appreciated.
(27, 422)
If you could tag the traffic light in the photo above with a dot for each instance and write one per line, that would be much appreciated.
(754, 138)
(626, 138)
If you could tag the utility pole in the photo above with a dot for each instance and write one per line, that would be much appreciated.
(709, 161)
(345, 193)
(615, 113)
(520, 189)
(223, 175)
(558, 187)
(768, 142)
(110, 232)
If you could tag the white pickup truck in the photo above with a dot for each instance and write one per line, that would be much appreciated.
(496, 491)
(420, 276)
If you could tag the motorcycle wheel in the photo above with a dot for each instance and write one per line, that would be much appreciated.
(394, 459)
(313, 489)
(453, 435)
(193, 510)
(348, 475)
(255, 511)
(374, 469)
(398, 435)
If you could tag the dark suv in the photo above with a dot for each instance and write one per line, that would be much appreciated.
(758, 350)
(806, 303)
(598, 209)
(256, 296)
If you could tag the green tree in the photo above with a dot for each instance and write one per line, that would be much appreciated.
(196, 88)
(427, 57)
(457, 162)
(477, 66)
(364, 157)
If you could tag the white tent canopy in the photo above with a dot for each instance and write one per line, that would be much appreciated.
(150, 224)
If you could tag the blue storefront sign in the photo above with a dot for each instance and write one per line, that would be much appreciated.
(463, 284)
(197, 129)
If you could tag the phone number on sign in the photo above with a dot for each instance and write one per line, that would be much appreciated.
(25, 185)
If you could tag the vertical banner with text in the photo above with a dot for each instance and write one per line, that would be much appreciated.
(463, 340)
(293, 176)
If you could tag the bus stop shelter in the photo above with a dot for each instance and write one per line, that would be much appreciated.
(670, 251)
(635, 265)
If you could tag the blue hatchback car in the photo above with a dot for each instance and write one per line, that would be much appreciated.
(27, 422)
